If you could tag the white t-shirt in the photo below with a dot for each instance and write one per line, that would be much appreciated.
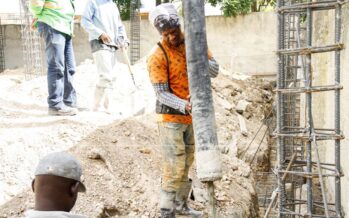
(51, 214)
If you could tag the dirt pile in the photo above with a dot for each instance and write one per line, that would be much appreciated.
(120, 155)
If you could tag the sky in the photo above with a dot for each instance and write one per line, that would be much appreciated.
(9, 6)
(12, 6)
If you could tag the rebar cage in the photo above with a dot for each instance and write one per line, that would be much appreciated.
(135, 31)
(301, 174)
(31, 44)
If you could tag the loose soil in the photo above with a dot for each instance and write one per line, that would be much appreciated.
(120, 153)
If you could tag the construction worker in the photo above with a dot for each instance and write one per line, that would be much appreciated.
(56, 185)
(54, 20)
(101, 19)
(169, 77)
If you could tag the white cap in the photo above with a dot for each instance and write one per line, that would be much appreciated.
(164, 16)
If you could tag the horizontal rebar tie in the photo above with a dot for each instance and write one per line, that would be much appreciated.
(311, 50)
(307, 137)
(306, 215)
(302, 163)
(324, 5)
(309, 174)
(310, 89)
(315, 202)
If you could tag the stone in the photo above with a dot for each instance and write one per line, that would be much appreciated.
(225, 104)
(241, 106)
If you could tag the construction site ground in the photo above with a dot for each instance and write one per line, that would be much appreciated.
(120, 153)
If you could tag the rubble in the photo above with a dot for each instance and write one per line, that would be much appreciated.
(242, 123)
(121, 154)
(241, 107)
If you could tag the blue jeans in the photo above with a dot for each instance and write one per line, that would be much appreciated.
(61, 67)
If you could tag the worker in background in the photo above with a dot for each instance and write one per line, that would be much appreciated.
(56, 185)
(169, 77)
(54, 20)
(101, 19)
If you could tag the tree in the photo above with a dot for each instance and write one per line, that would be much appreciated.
(236, 7)
(124, 8)
(263, 4)
(233, 7)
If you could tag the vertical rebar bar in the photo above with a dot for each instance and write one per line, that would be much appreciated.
(2, 48)
(279, 109)
(338, 23)
(309, 111)
(211, 200)
(322, 185)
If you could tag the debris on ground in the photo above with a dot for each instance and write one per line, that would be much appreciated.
(120, 153)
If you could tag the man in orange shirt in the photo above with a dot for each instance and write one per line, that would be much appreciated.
(168, 73)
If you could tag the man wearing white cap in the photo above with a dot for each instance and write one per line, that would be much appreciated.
(56, 186)
(168, 73)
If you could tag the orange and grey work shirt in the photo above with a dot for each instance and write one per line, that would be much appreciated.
(172, 89)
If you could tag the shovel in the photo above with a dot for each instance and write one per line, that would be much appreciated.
(137, 95)
(124, 52)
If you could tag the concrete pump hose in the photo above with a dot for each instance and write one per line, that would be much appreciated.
(209, 165)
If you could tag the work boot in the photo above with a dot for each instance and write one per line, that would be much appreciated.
(182, 207)
(107, 99)
(64, 111)
(98, 98)
(167, 213)
(167, 204)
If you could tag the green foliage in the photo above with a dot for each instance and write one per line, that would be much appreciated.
(124, 8)
(233, 7)
(229, 7)
(236, 7)
(265, 4)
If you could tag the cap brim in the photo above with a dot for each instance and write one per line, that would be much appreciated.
(82, 187)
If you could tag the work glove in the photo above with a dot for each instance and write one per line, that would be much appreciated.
(123, 43)
(213, 67)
